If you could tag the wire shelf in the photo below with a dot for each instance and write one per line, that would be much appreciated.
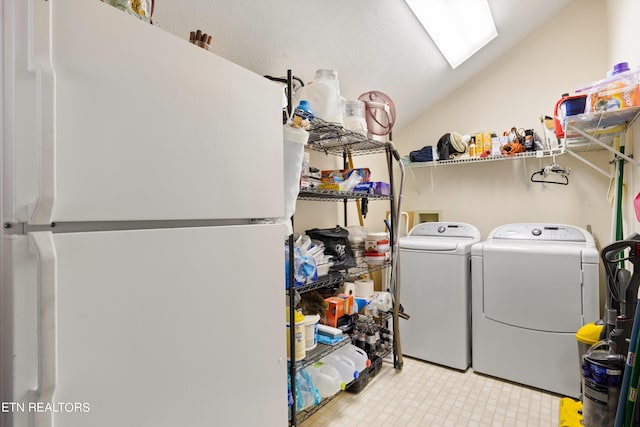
(336, 277)
(604, 126)
(466, 160)
(364, 269)
(333, 278)
(321, 351)
(331, 138)
(306, 413)
(328, 195)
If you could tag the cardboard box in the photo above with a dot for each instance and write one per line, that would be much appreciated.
(334, 176)
(374, 188)
(349, 302)
(334, 312)
(338, 186)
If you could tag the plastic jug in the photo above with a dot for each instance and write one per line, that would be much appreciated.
(357, 355)
(345, 366)
(326, 378)
(323, 94)
(354, 117)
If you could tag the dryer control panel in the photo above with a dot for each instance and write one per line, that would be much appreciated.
(546, 232)
(445, 229)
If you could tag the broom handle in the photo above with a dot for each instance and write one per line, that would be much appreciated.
(350, 164)
(633, 383)
(626, 379)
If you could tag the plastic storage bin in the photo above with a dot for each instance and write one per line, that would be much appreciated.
(615, 93)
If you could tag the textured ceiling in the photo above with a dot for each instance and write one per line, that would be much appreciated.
(373, 44)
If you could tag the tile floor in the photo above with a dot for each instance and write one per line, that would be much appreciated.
(426, 395)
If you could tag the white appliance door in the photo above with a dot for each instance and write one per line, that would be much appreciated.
(109, 118)
(533, 286)
(149, 328)
(435, 293)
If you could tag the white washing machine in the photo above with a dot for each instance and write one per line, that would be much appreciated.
(533, 287)
(435, 291)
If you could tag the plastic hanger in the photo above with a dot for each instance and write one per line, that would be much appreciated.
(553, 174)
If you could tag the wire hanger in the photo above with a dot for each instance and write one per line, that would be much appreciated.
(552, 174)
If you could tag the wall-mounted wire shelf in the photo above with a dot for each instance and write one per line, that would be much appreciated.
(467, 159)
(332, 138)
(590, 131)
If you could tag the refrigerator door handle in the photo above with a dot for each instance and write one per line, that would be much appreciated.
(41, 59)
(43, 245)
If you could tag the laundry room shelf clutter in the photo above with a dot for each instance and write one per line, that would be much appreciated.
(584, 132)
(330, 138)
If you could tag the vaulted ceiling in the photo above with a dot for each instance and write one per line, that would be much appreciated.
(373, 44)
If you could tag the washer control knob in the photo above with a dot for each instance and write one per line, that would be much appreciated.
(536, 232)
(441, 229)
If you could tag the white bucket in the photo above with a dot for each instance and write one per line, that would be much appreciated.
(377, 243)
(299, 336)
(311, 331)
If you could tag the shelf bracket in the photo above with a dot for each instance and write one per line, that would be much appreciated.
(587, 162)
(602, 144)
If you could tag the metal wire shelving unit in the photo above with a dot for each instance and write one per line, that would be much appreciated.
(333, 139)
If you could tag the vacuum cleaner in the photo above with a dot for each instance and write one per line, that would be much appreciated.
(609, 372)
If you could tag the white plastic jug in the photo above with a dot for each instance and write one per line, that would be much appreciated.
(356, 354)
(323, 94)
(326, 378)
(345, 366)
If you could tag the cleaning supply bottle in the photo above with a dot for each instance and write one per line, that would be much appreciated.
(302, 115)
(299, 336)
(472, 147)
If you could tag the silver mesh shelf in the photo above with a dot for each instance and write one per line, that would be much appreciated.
(332, 138)
(328, 195)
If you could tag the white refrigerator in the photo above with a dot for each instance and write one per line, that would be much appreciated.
(142, 273)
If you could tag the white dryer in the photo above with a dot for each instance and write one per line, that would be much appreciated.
(533, 287)
(435, 273)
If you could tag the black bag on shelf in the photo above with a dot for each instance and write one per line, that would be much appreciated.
(425, 154)
(336, 244)
(450, 145)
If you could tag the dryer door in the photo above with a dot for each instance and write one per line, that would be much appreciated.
(535, 286)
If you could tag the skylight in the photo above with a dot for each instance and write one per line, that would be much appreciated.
(459, 28)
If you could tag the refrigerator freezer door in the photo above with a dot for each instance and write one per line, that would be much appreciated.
(109, 118)
(152, 327)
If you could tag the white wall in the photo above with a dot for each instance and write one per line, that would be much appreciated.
(515, 91)
(622, 46)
